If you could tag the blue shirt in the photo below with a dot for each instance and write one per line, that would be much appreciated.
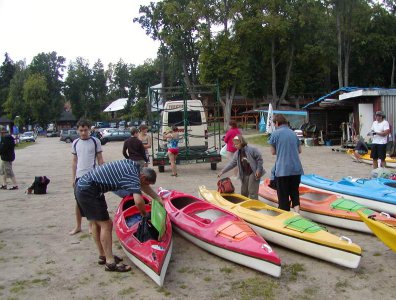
(286, 145)
(113, 176)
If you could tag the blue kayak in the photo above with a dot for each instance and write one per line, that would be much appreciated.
(378, 194)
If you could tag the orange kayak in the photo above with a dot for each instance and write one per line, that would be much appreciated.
(328, 208)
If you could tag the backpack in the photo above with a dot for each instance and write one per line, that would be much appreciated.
(225, 185)
(39, 185)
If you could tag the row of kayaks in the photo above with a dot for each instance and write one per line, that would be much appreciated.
(390, 162)
(234, 227)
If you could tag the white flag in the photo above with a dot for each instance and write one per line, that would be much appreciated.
(270, 120)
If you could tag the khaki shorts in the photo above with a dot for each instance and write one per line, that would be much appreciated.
(6, 169)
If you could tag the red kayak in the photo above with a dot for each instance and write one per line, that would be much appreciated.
(219, 232)
(152, 256)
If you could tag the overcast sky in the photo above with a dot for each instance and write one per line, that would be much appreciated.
(91, 29)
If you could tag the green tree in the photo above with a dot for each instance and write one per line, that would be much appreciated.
(99, 88)
(15, 104)
(78, 88)
(35, 95)
(7, 70)
(51, 67)
(175, 24)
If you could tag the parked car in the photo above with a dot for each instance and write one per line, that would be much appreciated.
(116, 135)
(53, 133)
(28, 136)
(68, 135)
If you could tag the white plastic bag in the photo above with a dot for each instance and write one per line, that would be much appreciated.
(223, 151)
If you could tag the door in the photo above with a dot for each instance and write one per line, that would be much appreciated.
(365, 119)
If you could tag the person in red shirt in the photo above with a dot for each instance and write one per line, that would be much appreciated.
(231, 133)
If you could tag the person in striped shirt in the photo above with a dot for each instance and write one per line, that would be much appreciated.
(113, 176)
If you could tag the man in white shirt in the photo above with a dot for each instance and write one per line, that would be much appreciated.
(380, 131)
(86, 151)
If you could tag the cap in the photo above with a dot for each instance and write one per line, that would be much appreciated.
(380, 113)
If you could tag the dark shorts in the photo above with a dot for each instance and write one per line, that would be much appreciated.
(92, 203)
(378, 151)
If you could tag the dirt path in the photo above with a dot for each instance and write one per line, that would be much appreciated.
(39, 260)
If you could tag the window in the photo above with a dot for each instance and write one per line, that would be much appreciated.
(176, 118)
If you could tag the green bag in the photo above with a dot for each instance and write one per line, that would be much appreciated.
(158, 217)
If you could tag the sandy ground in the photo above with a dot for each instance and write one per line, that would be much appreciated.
(39, 260)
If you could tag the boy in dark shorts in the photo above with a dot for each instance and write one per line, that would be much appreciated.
(113, 176)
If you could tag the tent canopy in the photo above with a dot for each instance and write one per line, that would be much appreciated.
(116, 105)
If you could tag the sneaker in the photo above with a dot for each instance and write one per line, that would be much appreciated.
(3, 187)
(15, 187)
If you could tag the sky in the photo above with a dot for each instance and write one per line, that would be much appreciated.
(92, 29)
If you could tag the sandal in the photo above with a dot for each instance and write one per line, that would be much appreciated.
(15, 187)
(117, 268)
(102, 259)
(174, 175)
(3, 187)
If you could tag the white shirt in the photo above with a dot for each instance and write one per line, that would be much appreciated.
(86, 156)
(380, 127)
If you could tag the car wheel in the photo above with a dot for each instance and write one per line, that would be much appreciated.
(68, 140)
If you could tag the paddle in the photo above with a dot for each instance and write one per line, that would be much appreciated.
(158, 217)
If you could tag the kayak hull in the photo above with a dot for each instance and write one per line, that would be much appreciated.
(386, 233)
(327, 208)
(270, 223)
(152, 256)
(375, 193)
(219, 232)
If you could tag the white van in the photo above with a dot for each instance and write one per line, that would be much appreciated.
(196, 125)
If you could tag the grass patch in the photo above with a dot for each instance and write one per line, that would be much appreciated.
(207, 278)
(257, 287)
(342, 285)
(164, 291)
(184, 270)
(84, 236)
(2, 244)
(126, 291)
(261, 140)
(377, 254)
(20, 285)
(183, 286)
(23, 145)
(309, 291)
(226, 270)
(292, 271)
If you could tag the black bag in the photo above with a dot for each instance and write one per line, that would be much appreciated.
(146, 231)
(39, 185)
(225, 185)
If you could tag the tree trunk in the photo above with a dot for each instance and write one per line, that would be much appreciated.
(187, 81)
(346, 63)
(392, 84)
(288, 72)
(339, 44)
(227, 105)
(273, 67)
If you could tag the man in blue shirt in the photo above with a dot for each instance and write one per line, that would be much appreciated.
(288, 169)
(113, 176)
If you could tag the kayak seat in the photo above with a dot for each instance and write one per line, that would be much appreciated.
(313, 196)
(182, 202)
(233, 199)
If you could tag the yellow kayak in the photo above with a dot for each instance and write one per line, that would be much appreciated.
(390, 162)
(288, 229)
(386, 233)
